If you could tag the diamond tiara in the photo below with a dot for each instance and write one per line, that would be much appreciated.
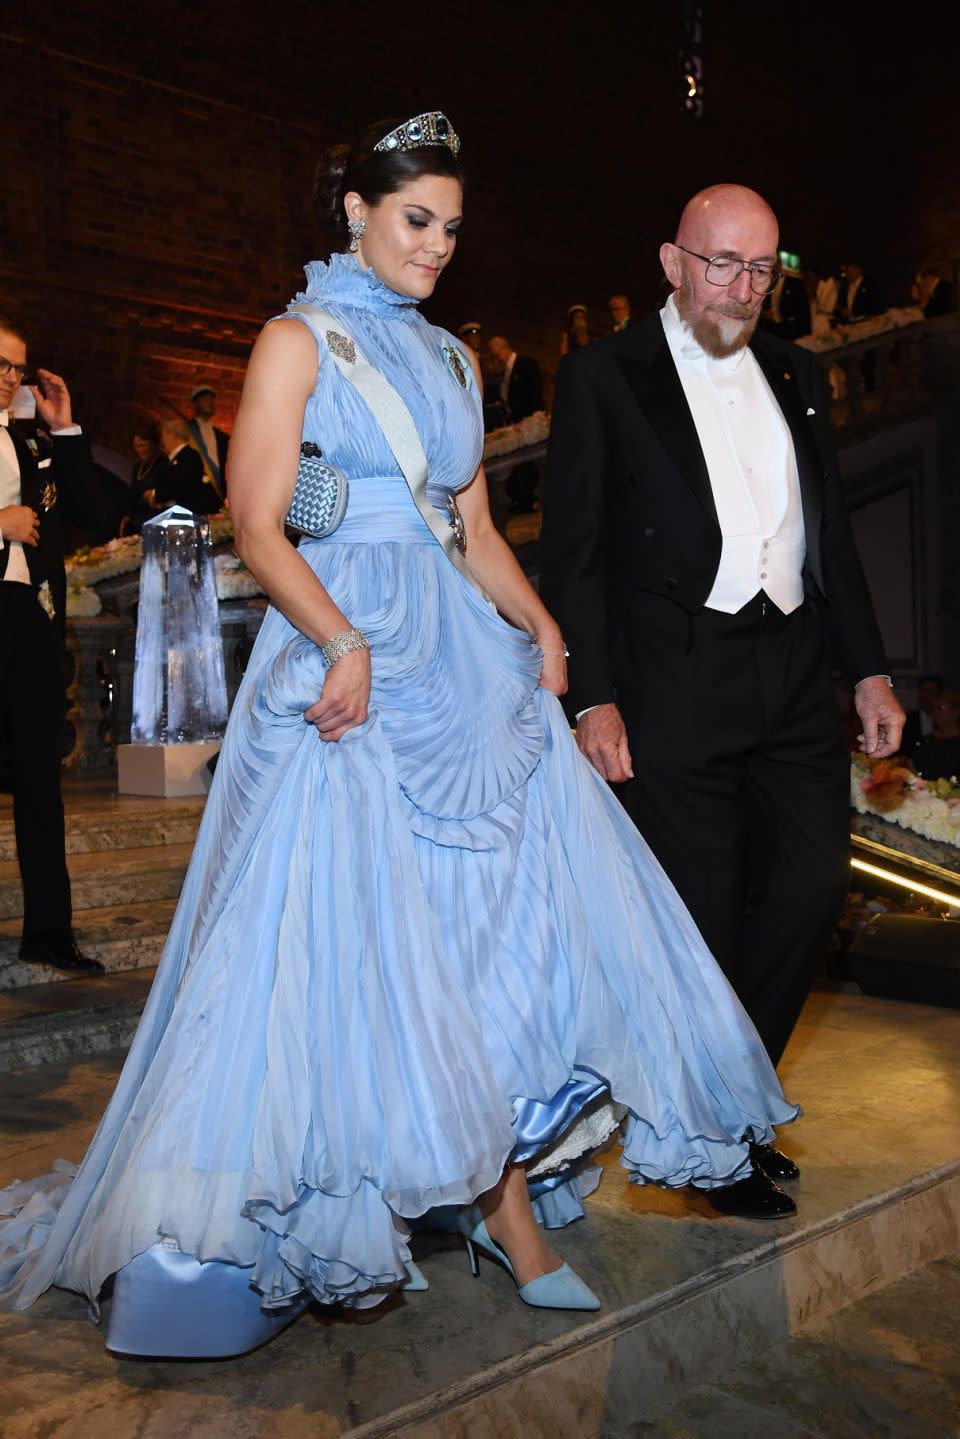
(431, 128)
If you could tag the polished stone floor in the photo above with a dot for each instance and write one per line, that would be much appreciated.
(887, 1367)
(880, 1086)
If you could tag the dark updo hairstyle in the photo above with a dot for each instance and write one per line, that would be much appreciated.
(373, 174)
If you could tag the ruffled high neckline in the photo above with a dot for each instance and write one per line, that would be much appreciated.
(341, 281)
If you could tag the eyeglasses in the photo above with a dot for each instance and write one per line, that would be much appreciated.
(724, 270)
(10, 367)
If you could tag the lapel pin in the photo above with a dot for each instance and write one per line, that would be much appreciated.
(811, 412)
(786, 374)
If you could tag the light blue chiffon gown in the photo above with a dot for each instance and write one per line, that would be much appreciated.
(398, 960)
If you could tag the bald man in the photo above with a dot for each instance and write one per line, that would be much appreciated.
(697, 553)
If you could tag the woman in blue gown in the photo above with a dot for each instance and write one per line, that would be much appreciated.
(421, 958)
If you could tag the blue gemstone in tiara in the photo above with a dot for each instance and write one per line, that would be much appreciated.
(430, 128)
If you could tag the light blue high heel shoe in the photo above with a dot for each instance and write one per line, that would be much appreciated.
(561, 1289)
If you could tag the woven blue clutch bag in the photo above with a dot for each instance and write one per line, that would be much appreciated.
(320, 496)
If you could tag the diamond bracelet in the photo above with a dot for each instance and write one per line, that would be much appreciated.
(563, 654)
(342, 644)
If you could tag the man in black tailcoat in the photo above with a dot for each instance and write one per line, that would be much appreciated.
(38, 494)
(858, 297)
(186, 481)
(520, 388)
(697, 553)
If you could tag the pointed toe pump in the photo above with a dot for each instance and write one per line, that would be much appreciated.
(560, 1289)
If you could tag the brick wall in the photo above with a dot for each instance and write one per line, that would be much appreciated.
(155, 200)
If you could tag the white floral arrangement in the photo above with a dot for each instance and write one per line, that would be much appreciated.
(889, 789)
(868, 329)
(531, 431)
(82, 602)
(234, 580)
(93, 563)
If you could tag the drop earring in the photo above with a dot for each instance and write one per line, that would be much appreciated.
(357, 230)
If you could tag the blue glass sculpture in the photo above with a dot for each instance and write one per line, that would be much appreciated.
(179, 686)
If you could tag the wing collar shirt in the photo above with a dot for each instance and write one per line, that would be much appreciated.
(17, 570)
(750, 458)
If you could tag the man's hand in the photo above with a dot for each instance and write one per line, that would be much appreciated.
(344, 698)
(881, 717)
(19, 522)
(53, 401)
(602, 737)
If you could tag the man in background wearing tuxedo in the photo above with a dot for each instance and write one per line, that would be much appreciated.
(186, 481)
(697, 554)
(619, 310)
(38, 493)
(858, 297)
(521, 391)
(210, 442)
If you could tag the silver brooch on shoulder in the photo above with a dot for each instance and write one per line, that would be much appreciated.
(456, 362)
(342, 347)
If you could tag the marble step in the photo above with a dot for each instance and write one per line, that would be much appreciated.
(126, 936)
(616, 1374)
(887, 1365)
(127, 876)
(116, 822)
(50, 1023)
(688, 1297)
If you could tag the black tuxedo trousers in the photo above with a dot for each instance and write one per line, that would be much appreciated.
(32, 707)
(742, 790)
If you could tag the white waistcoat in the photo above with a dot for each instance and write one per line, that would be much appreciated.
(750, 459)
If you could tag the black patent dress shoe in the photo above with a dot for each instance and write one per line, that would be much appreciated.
(59, 949)
(776, 1166)
(755, 1197)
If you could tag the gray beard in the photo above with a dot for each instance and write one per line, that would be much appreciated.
(716, 333)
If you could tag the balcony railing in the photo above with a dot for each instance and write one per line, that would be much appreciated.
(889, 377)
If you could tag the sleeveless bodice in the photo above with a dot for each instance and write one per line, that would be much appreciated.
(409, 352)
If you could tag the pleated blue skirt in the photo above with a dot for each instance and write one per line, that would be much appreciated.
(397, 961)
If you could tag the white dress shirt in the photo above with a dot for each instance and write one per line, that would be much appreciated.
(17, 571)
(750, 459)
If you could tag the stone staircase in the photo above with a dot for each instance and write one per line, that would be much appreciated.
(127, 858)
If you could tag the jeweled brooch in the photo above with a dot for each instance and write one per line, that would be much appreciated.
(457, 525)
(342, 347)
(456, 362)
(48, 495)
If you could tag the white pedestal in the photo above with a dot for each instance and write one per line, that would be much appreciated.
(165, 769)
